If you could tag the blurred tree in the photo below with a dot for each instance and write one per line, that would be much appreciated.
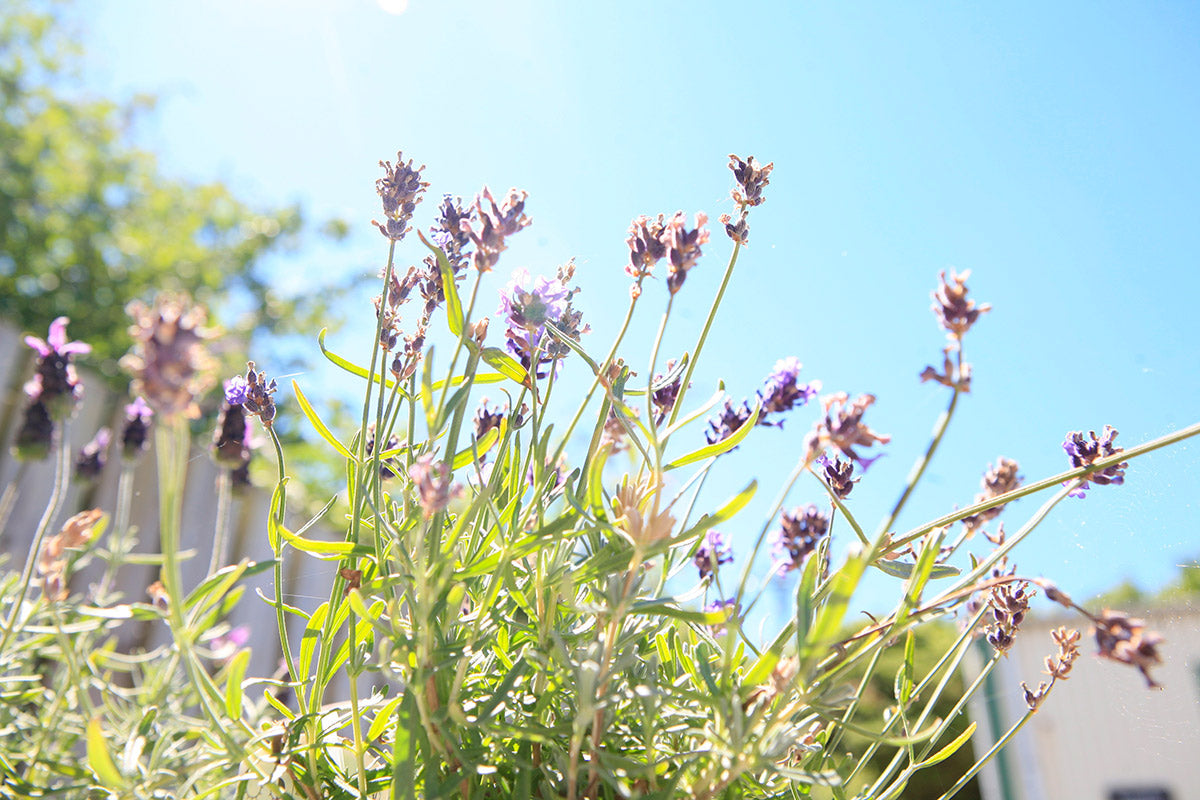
(88, 222)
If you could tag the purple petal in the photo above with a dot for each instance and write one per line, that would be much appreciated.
(57, 337)
(40, 346)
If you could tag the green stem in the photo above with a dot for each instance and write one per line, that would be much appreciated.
(712, 315)
(119, 543)
(918, 469)
(220, 549)
(52, 506)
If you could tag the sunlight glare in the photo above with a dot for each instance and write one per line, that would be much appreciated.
(395, 7)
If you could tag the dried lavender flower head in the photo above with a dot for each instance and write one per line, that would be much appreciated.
(842, 427)
(1084, 452)
(997, 480)
(55, 382)
(953, 310)
(493, 224)
(751, 178)
(1123, 639)
(169, 362)
(433, 482)
(683, 247)
(400, 190)
(646, 245)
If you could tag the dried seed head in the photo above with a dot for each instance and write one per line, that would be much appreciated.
(169, 361)
(387, 466)
(997, 480)
(646, 245)
(1058, 666)
(76, 532)
(842, 427)
(433, 483)
(683, 247)
(1121, 638)
(954, 312)
(400, 190)
(493, 224)
(751, 179)
(632, 506)
(1009, 603)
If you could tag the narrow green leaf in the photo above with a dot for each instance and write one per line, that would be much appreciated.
(573, 345)
(315, 420)
(829, 619)
(948, 750)
(309, 641)
(322, 548)
(595, 481)
(467, 455)
(902, 687)
(454, 308)
(274, 515)
(482, 377)
(383, 717)
(348, 366)
(667, 607)
(903, 569)
(233, 683)
(726, 512)
(99, 758)
(697, 414)
(724, 446)
(506, 365)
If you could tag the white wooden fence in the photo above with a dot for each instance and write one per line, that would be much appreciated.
(306, 581)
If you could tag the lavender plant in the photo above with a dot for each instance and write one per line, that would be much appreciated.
(513, 616)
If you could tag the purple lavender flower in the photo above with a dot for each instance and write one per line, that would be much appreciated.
(237, 390)
(799, 533)
(837, 474)
(135, 435)
(55, 382)
(35, 437)
(713, 552)
(725, 609)
(528, 305)
(782, 392)
(93, 455)
(728, 422)
(665, 393)
(1083, 452)
(387, 466)
(400, 189)
(231, 439)
(258, 393)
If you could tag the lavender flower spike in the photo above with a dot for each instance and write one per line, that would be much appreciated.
(782, 392)
(54, 381)
(713, 552)
(1084, 453)
(135, 434)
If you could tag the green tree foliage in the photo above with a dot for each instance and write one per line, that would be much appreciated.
(878, 701)
(88, 221)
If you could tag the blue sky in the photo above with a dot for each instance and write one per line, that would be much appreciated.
(1051, 150)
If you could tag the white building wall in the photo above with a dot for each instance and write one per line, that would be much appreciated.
(1101, 734)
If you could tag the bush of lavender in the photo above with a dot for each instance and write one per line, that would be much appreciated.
(507, 616)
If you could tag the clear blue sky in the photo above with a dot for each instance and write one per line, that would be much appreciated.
(1049, 148)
